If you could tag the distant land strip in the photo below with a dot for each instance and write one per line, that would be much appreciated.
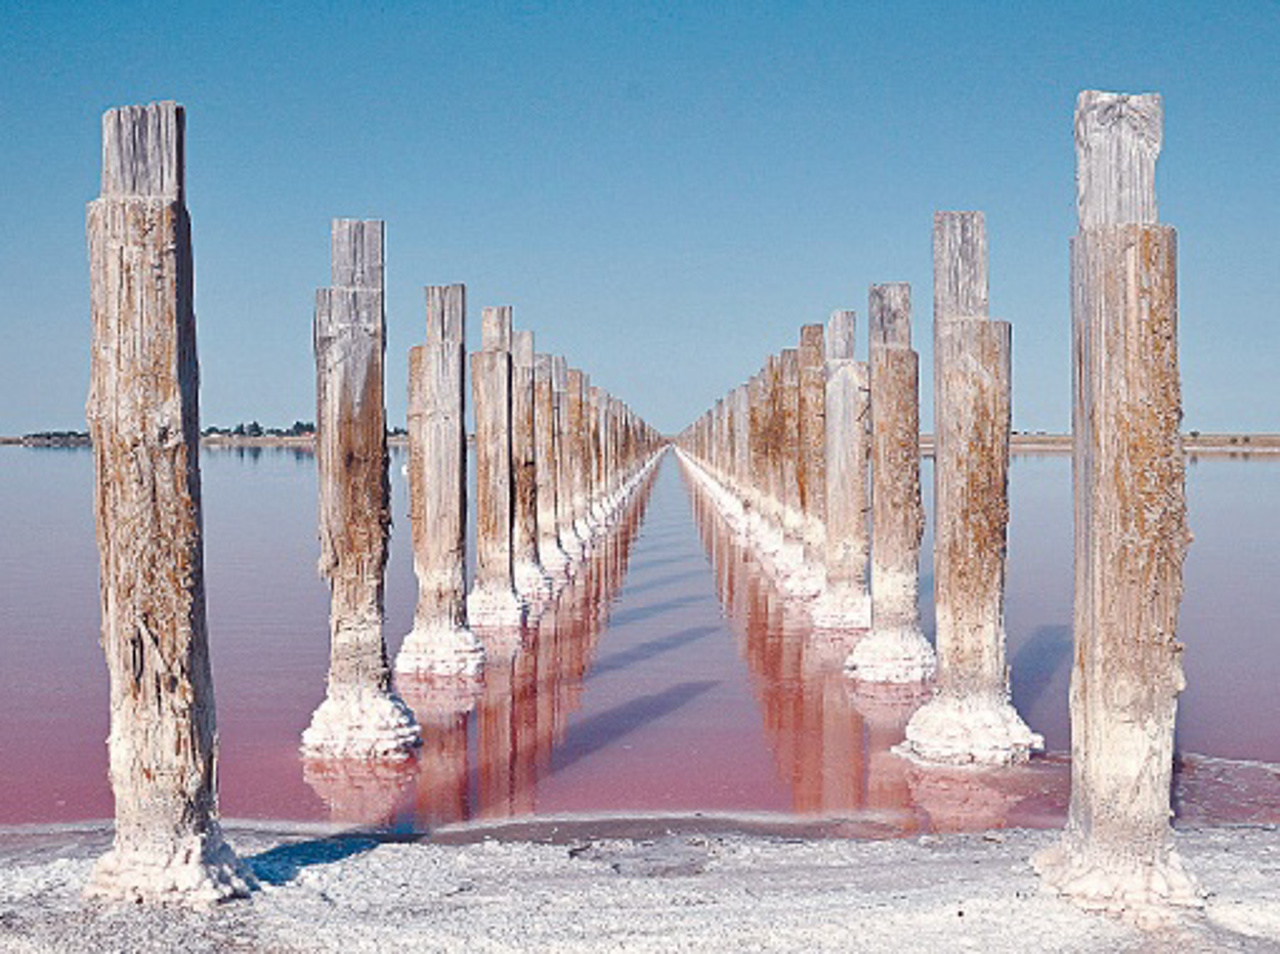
(1024, 442)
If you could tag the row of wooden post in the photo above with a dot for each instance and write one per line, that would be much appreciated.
(594, 450)
(759, 453)
(556, 460)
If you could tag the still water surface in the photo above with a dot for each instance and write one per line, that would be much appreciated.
(669, 676)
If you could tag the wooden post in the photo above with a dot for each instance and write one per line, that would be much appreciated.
(895, 650)
(970, 718)
(1117, 852)
(813, 435)
(492, 601)
(440, 643)
(360, 716)
(579, 453)
(566, 463)
(554, 559)
(846, 601)
(532, 582)
(144, 418)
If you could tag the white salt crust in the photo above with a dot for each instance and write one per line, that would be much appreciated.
(199, 871)
(441, 651)
(533, 583)
(898, 654)
(361, 724)
(495, 607)
(968, 730)
(1151, 895)
(841, 608)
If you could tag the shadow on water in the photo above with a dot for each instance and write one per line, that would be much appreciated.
(657, 583)
(651, 648)
(1037, 661)
(600, 731)
(642, 613)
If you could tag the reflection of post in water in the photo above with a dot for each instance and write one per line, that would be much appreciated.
(443, 708)
(530, 692)
(885, 711)
(816, 733)
(361, 791)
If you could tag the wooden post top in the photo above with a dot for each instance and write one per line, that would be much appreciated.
(357, 253)
(812, 348)
(143, 151)
(890, 312)
(839, 338)
(1118, 138)
(495, 328)
(446, 314)
(790, 366)
(559, 373)
(522, 349)
(542, 367)
(959, 265)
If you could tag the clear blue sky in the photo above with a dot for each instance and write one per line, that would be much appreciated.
(664, 193)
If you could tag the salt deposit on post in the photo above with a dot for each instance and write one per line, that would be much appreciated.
(532, 581)
(895, 650)
(970, 718)
(1117, 853)
(144, 417)
(846, 601)
(493, 601)
(440, 643)
(360, 716)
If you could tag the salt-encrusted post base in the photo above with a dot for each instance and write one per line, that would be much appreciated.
(842, 608)
(200, 870)
(532, 581)
(361, 724)
(440, 651)
(898, 654)
(495, 608)
(969, 730)
(1151, 895)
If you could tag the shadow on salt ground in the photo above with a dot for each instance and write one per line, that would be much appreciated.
(603, 730)
(641, 613)
(1037, 661)
(282, 864)
(651, 648)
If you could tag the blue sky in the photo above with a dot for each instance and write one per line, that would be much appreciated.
(664, 193)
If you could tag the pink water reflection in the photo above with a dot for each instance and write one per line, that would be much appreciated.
(669, 676)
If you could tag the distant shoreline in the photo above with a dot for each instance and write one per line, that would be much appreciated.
(1023, 443)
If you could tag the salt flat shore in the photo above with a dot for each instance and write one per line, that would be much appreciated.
(667, 885)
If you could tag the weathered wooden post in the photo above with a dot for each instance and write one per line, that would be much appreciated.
(552, 555)
(532, 581)
(895, 650)
(144, 417)
(492, 601)
(566, 463)
(1117, 852)
(970, 718)
(579, 453)
(440, 643)
(846, 601)
(360, 716)
(813, 436)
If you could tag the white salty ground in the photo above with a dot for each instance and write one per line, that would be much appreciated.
(678, 891)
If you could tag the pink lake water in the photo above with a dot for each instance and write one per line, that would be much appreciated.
(668, 677)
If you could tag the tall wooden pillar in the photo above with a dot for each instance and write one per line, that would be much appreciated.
(493, 602)
(895, 650)
(1117, 852)
(552, 555)
(846, 601)
(360, 716)
(532, 581)
(441, 642)
(970, 718)
(144, 418)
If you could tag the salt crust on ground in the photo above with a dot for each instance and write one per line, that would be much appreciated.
(687, 892)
